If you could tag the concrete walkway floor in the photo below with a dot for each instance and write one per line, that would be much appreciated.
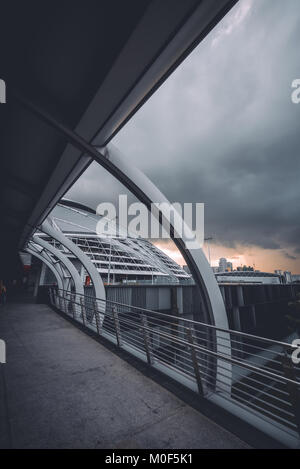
(62, 389)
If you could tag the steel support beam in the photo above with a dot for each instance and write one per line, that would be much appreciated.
(141, 186)
(49, 265)
(147, 192)
(65, 261)
(61, 269)
(83, 258)
(143, 66)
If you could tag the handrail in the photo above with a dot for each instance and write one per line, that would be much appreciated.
(259, 378)
(210, 326)
(212, 353)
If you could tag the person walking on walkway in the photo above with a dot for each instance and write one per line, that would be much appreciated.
(3, 294)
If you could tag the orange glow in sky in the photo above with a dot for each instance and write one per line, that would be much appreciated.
(265, 260)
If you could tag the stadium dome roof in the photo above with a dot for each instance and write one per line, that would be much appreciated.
(126, 258)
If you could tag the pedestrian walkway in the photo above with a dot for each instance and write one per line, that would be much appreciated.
(62, 389)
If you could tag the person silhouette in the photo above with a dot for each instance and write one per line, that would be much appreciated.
(3, 294)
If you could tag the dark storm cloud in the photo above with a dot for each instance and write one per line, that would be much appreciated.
(223, 130)
(288, 256)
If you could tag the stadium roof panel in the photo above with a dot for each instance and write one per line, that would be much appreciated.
(121, 255)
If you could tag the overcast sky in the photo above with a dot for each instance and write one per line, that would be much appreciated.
(223, 130)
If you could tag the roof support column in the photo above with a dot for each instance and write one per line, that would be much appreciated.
(83, 258)
(50, 266)
(67, 263)
(215, 311)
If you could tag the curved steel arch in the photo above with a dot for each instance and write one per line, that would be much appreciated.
(83, 258)
(49, 265)
(139, 184)
(64, 259)
(147, 193)
(62, 271)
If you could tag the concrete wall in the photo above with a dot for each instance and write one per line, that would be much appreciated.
(257, 309)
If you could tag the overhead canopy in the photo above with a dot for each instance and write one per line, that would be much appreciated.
(90, 65)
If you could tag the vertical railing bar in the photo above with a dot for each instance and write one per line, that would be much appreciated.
(82, 310)
(147, 340)
(50, 295)
(190, 339)
(73, 304)
(193, 346)
(65, 303)
(56, 300)
(117, 325)
(292, 388)
(60, 301)
(98, 325)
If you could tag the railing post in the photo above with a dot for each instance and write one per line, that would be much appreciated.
(147, 340)
(65, 302)
(292, 388)
(82, 310)
(51, 296)
(73, 304)
(190, 339)
(117, 325)
(98, 325)
(55, 298)
(60, 302)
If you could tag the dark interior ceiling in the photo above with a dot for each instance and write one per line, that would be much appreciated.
(55, 53)
(58, 54)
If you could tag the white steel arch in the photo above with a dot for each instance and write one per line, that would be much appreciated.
(85, 261)
(148, 193)
(47, 262)
(139, 184)
(63, 271)
(64, 259)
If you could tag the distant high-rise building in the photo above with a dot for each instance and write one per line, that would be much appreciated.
(245, 268)
(288, 276)
(248, 277)
(222, 264)
(278, 272)
(296, 278)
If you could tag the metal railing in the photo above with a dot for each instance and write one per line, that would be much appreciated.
(252, 377)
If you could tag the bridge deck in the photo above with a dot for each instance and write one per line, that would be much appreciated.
(62, 389)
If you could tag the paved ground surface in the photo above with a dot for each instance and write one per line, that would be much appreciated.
(62, 389)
